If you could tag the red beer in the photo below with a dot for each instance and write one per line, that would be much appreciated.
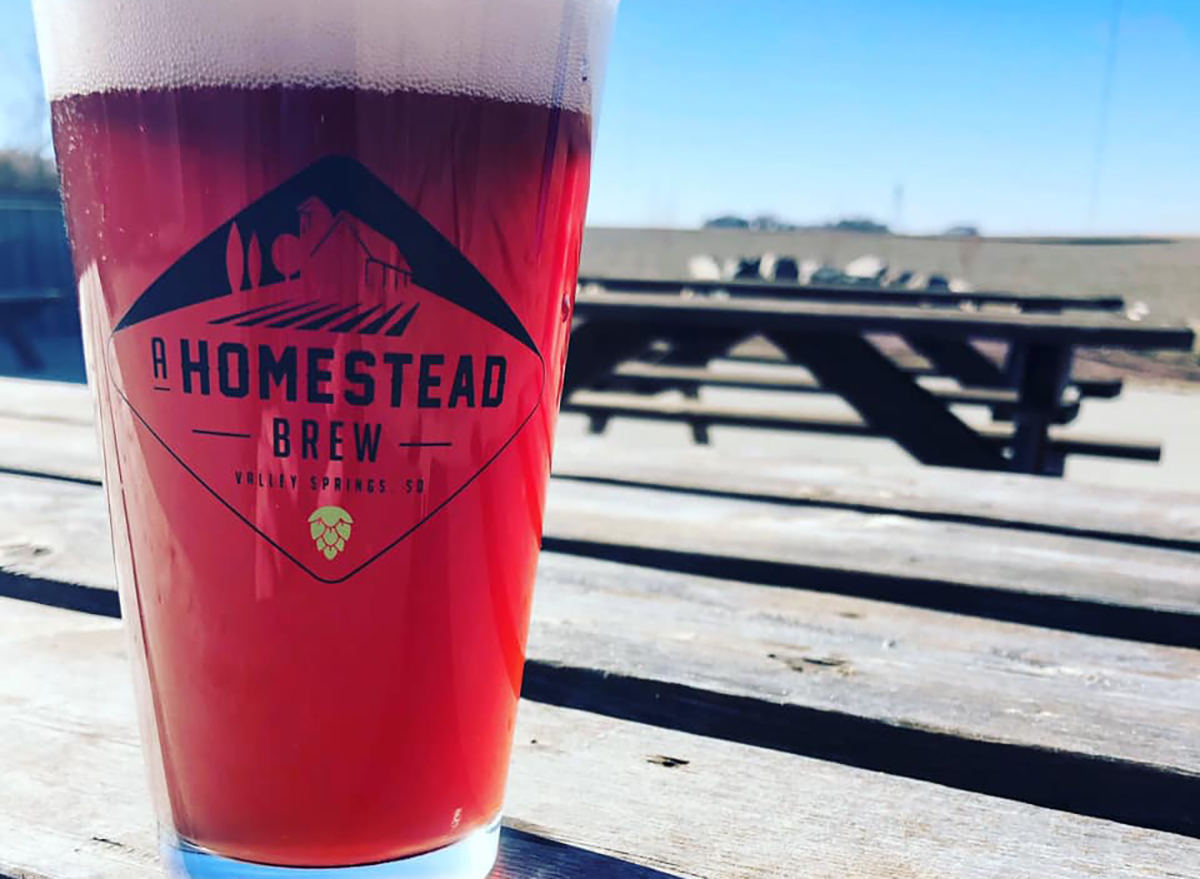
(326, 327)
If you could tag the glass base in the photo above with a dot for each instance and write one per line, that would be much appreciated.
(469, 858)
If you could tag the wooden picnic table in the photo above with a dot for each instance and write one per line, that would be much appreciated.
(830, 339)
(861, 293)
(737, 668)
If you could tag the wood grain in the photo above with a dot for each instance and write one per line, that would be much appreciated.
(980, 679)
(1171, 519)
(1053, 565)
(1077, 584)
(1008, 500)
(55, 448)
(947, 565)
(75, 799)
(45, 400)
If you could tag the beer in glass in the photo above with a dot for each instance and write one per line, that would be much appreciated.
(327, 255)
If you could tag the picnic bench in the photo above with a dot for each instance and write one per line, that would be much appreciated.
(651, 336)
(738, 667)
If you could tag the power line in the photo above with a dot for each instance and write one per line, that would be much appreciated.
(1102, 123)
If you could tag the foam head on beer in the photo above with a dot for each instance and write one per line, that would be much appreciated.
(545, 52)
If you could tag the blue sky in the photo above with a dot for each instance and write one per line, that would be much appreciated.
(986, 111)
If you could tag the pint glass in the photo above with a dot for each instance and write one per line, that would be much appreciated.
(326, 253)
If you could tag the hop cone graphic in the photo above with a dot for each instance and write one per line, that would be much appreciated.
(330, 529)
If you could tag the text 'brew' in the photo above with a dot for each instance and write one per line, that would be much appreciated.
(327, 270)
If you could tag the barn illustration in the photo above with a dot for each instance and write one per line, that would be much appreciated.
(337, 275)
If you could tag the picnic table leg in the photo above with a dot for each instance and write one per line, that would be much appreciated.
(597, 347)
(890, 400)
(699, 348)
(1042, 372)
(597, 424)
(959, 359)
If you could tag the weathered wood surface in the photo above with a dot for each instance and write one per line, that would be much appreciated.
(45, 401)
(863, 666)
(55, 448)
(1008, 500)
(640, 796)
(756, 315)
(943, 564)
(746, 684)
(804, 547)
(817, 543)
(1115, 514)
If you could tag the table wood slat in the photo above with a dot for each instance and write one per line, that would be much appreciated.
(75, 803)
(1157, 518)
(1079, 584)
(862, 682)
(60, 449)
(754, 315)
(40, 400)
(1165, 519)
(855, 293)
(946, 565)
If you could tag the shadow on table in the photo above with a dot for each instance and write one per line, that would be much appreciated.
(528, 856)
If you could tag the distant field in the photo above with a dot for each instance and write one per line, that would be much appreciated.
(1163, 273)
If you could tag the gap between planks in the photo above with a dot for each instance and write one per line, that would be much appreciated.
(1073, 583)
(1161, 519)
(1028, 503)
(635, 795)
(1082, 724)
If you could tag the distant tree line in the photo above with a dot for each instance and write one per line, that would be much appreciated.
(771, 223)
(865, 225)
(26, 173)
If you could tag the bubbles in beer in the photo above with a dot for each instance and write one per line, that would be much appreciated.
(529, 51)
